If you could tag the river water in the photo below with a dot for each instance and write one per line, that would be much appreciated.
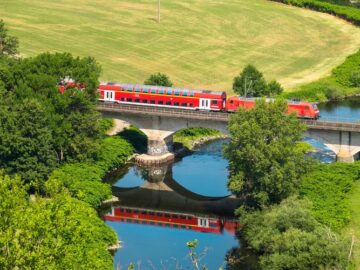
(162, 208)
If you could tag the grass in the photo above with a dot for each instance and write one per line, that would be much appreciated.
(188, 137)
(199, 44)
(354, 226)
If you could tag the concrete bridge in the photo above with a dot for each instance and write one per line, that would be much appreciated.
(159, 124)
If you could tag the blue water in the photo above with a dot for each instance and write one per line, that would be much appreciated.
(347, 110)
(142, 245)
(132, 179)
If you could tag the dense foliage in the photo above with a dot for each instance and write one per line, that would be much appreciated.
(136, 138)
(264, 163)
(287, 236)
(158, 79)
(8, 44)
(188, 136)
(40, 127)
(327, 187)
(251, 83)
(84, 180)
(50, 233)
(348, 13)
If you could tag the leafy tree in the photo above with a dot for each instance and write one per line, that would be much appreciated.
(8, 44)
(159, 79)
(286, 236)
(50, 233)
(250, 82)
(274, 88)
(264, 163)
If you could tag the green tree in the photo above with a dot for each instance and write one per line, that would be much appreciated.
(8, 44)
(59, 232)
(159, 79)
(274, 88)
(264, 163)
(287, 236)
(250, 82)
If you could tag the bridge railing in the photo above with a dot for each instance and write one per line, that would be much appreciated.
(214, 116)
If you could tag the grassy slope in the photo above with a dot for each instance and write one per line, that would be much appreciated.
(198, 43)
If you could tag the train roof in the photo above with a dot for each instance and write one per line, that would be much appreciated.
(163, 88)
(289, 101)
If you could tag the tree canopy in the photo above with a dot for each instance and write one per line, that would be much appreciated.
(159, 79)
(8, 44)
(264, 163)
(251, 82)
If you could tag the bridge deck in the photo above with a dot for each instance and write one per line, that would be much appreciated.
(211, 116)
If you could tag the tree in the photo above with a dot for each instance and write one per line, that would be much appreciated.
(159, 79)
(287, 236)
(264, 163)
(58, 232)
(274, 88)
(8, 44)
(250, 82)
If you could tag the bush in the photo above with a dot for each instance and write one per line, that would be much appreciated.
(84, 180)
(326, 186)
(188, 136)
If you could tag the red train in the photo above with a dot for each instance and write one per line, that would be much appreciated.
(147, 95)
(172, 220)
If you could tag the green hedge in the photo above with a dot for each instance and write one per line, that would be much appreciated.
(350, 14)
(84, 180)
(327, 187)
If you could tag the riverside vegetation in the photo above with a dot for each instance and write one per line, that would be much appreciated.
(53, 155)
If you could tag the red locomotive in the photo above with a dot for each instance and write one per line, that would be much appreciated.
(172, 220)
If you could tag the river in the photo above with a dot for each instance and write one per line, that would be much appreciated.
(162, 208)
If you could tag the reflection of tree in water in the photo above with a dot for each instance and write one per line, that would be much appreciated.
(241, 257)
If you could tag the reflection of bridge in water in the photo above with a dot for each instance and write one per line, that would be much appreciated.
(163, 193)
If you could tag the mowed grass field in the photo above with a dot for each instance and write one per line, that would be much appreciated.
(199, 43)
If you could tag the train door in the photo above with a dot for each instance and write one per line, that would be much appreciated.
(204, 104)
(203, 222)
(109, 95)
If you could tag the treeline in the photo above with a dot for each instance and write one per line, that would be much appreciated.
(53, 156)
(348, 13)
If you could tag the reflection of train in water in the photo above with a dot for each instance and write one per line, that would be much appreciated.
(172, 220)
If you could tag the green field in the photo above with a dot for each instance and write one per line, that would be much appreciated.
(199, 43)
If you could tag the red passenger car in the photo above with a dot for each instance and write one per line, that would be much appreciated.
(148, 95)
(302, 109)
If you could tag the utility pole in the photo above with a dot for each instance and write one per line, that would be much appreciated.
(158, 17)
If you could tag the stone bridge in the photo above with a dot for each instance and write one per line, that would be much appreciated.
(159, 124)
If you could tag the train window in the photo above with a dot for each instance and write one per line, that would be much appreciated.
(168, 92)
(175, 216)
(176, 93)
(184, 104)
(153, 91)
(168, 102)
(214, 102)
(190, 104)
(122, 210)
(160, 102)
(122, 89)
(136, 100)
(145, 90)
(136, 221)
(176, 226)
(136, 211)
(152, 223)
(191, 94)
(182, 217)
(143, 212)
(176, 103)
(159, 223)
(129, 99)
(128, 211)
(159, 214)
(167, 225)
(129, 89)
(144, 101)
(161, 91)
(231, 101)
(212, 225)
(152, 101)
(122, 99)
(183, 227)
(167, 215)
(184, 94)
(137, 90)
(151, 213)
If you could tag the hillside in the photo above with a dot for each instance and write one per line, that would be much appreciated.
(198, 43)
